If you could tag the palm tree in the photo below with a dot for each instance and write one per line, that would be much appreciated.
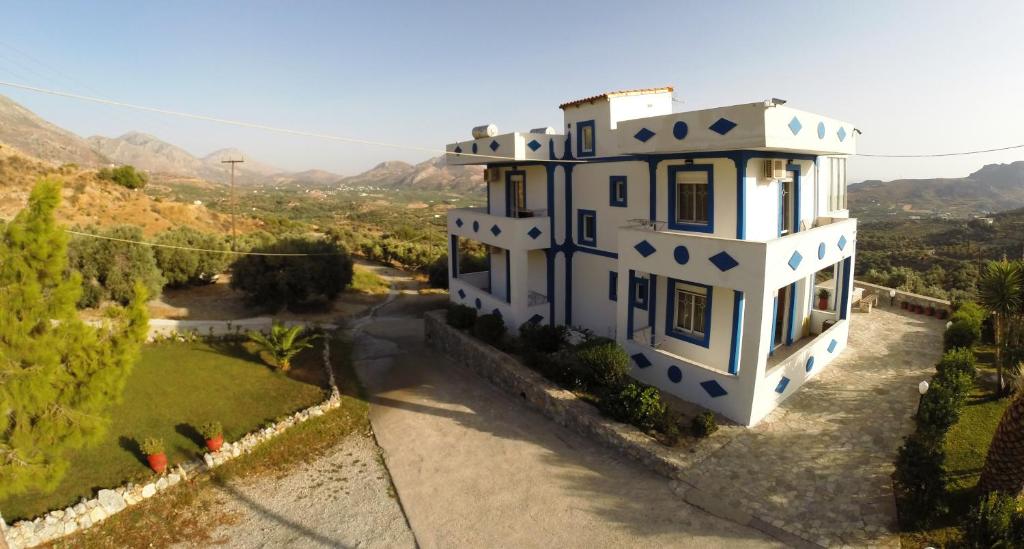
(1004, 465)
(282, 344)
(1000, 290)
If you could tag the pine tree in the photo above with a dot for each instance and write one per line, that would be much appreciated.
(58, 375)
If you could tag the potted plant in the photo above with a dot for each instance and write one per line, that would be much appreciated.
(213, 432)
(154, 450)
(823, 295)
(904, 305)
(931, 310)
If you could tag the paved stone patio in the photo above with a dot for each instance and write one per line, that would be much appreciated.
(819, 467)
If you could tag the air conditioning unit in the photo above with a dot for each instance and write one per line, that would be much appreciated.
(774, 168)
(492, 175)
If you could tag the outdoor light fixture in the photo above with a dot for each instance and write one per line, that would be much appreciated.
(892, 298)
(949, 324)
(922, 387)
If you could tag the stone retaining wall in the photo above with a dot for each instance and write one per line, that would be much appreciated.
(911, 298)
(85, 514)
(166, 327)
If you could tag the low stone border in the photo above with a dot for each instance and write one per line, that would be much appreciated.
(108, 502)
(567, 410)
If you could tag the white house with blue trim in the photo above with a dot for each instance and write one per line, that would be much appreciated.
(699, 240)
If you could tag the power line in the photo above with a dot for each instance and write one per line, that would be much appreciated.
(187, 248)
(264, 127)
(937, 155)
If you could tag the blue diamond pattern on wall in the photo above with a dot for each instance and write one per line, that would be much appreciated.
(534, 145)
(462, 293)
(832, 346)
(458, 222)
(841, 134)
(723, 261)
(810, 364)
(535, 319)
(714, 388)
(821, 130)
(781, 387)
(476, 226)
(534, 233)
(494, 145)
(680, 129)
(495, 230)
(675, 375)
(842, 242)
(722, 126)
(795, 259)
(821, 250)
(643, 135)
(795, 126)
(641, 360)
(644, 248)
(458, 149)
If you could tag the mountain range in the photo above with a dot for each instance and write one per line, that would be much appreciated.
(34, 137)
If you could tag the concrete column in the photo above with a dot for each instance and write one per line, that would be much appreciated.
(519, 276)
(757, 325)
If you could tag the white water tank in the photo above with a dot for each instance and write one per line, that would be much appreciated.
(547, 131)
(485, 131)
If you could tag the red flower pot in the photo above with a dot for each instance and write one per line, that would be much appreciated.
(157, 462)
(931, 311)
(215, 443)
(943, 314)
(823, 303)
(904, 305)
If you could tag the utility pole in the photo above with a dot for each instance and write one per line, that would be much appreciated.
(234, 236)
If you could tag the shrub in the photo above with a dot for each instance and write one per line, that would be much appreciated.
(437, 272)
(489, 328)
(560, 367)
(211, 429)
(996, 521)
(636, 404)
(703, 425)
(606, 363)
(112, 267)
(970, 310)
(963, 332)
(940, 407)
(542, 338)
(460, 316)
(668, 426)
(184, 267)
(919, 477)
(957, 360)
(152, 446)
(125, 176)
(280, 281)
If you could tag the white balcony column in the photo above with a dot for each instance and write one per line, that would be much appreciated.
(755, 330)
(519, 286)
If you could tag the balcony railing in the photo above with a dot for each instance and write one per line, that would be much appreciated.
(510, 233)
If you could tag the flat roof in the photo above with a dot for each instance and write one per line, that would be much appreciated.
(620, 93)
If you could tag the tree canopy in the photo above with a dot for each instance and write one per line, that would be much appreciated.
(278, 281)
(187, 267)
(58, 375)
(110, 269)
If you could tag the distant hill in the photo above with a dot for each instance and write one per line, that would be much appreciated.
(21, 129)
(993, 188)
(433, 174)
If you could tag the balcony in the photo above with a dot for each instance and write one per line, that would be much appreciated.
(737, 264)
(531, 232)
(508, 147)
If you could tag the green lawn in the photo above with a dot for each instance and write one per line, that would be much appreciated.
(173, 388)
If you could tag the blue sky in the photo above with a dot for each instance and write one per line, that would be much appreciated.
(916, 77)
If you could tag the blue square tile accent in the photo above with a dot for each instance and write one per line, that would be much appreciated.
(458, 222)
(641, 360)
(723, 261)
(795, 259)
(832, 346)
(841, 134)
(476, 226)
(462, 293)
(722, 126)
(842, 242)
(495, 230)
(458, 149)
(795, 126)
(714, 388)
(534, 145)
(534, 233)
(781, 387)
(494, 145)
(643, 135)
(535, 319)
(644, 248)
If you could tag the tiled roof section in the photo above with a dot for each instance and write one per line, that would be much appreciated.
(621, 93)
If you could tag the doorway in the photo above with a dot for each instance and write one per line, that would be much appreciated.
(787, 207)
(779, 322)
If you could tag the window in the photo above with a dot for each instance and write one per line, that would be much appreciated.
(689, 312)
(515, 188)
(585, 138)
(691, 198)
(617, 191)
(587, 226)
(613, 285)
(640, 293)
(837, 188)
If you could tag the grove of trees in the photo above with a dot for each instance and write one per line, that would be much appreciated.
(275, 281)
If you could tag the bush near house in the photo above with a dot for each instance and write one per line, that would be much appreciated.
(542, 338)
(962, 332)
(703, 425)
(606, 362)
(918, 477)
(460, 316)
(636, 404)
(489, 328)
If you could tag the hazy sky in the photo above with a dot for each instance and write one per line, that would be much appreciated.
(915, 77)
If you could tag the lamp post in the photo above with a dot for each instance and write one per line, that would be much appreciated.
(949, 324)
(922, 388)
(892, 298)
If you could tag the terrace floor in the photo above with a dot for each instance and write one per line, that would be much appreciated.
(820, 465)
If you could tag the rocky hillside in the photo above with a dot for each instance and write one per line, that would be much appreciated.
(433, 174)
(21, 129)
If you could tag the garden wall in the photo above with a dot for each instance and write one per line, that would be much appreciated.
(913, 299)
(165, 327)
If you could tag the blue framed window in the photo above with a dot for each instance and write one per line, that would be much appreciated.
(691, 198)
(641, 293)
(586, 138)
(617, 191)
(613, 285)
(688, 312)
(586, 224)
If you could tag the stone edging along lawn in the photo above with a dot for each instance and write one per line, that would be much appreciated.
(85, 514)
